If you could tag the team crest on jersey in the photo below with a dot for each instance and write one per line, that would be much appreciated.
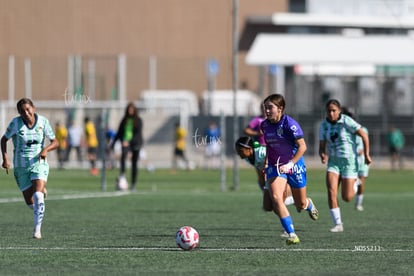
(280, 131)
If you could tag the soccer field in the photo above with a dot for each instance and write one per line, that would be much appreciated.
(87, 231)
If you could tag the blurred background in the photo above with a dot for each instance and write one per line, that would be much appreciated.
(175, 60)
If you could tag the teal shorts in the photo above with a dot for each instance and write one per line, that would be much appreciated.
(346, 167)
(363, 169)
(24, 176)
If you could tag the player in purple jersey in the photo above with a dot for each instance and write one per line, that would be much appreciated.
(285, 148)
(253, 128)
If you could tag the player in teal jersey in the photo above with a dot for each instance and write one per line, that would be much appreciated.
(28, 132)
(363, 169)
(363, 172)
(337, 148)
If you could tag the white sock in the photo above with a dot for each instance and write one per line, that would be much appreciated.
(289, 201)
(359, 199)
(39, 210)
(356, 184)
(336, 215)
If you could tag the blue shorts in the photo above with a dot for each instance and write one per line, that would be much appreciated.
(296, 179)
(24, 176)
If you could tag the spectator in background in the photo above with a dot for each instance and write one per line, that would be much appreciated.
(130, 134)
(212, 145)
(74, 141)
(91, 144)
(180, 144)
(396, 143)
(61, 137)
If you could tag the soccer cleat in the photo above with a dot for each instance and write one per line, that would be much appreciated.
(293, 239)
(37, 235)
(284, 234)
(313, 212)
(359, 208)
(337, 228)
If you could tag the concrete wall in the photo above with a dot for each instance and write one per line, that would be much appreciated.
(183, 34)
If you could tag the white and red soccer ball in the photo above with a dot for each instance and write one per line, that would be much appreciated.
(187, 238)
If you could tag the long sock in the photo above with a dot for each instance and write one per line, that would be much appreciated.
(309, 205)
(356, 184)
(289, 201)
(287, 224)
(39, 210)
(336, 215)
(359, 199)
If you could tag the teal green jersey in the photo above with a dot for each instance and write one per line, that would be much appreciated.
(359, 142)
(259, 156)
(340, 136)
(28, 142)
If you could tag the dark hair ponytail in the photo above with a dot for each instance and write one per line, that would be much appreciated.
(244, 142)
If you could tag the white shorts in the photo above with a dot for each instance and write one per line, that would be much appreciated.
(213, 149)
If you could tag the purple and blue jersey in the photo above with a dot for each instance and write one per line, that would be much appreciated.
(280, 139)
(281, 144)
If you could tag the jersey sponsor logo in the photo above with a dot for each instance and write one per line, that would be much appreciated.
(334, 136)
(31, 142)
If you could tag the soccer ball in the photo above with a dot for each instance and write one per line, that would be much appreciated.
(187, 238)
(121, 183)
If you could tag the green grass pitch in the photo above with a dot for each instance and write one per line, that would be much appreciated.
(89, 232)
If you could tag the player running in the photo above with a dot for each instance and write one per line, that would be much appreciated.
(28, 132)
(337, 148)
(285, 148)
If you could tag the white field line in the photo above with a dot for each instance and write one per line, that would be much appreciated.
(123, 193)
(12, 248)
(72, 196)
